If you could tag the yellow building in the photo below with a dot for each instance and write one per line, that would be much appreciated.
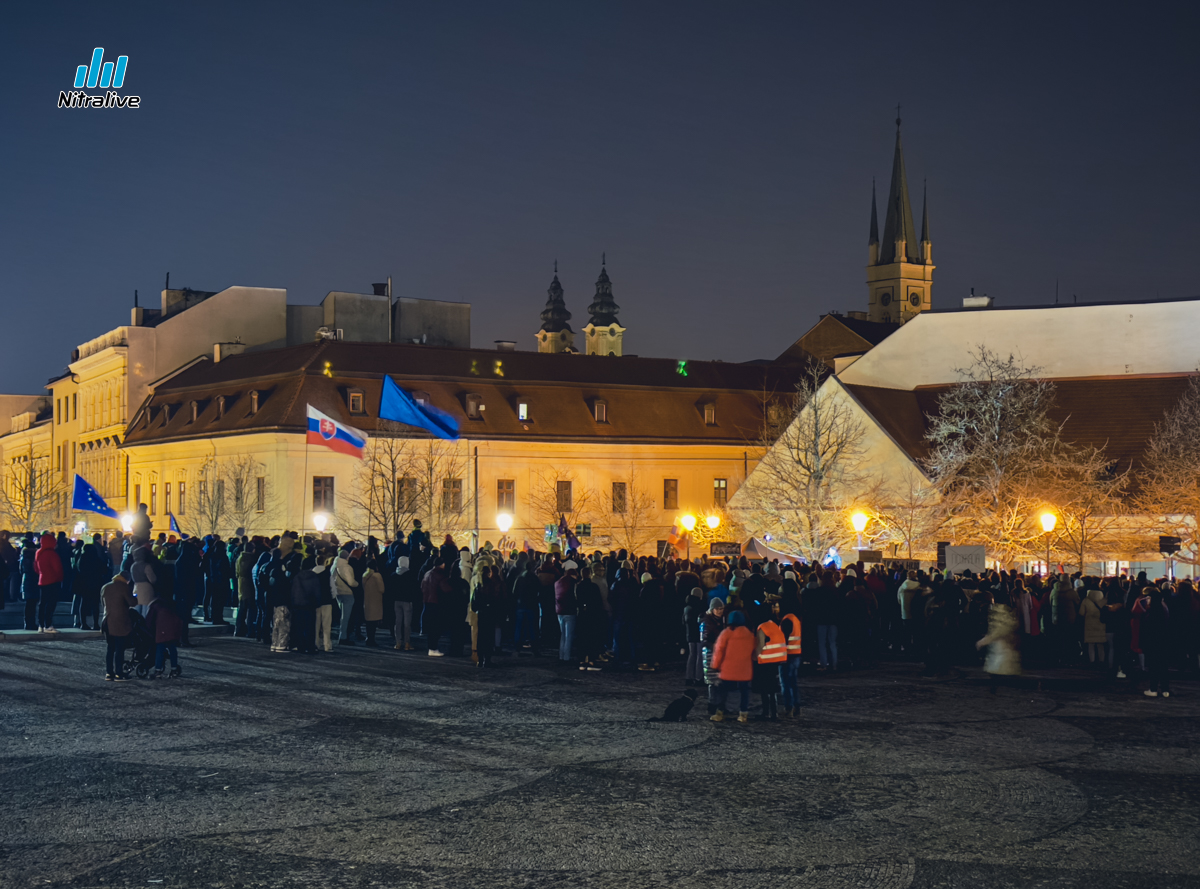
(620, 447)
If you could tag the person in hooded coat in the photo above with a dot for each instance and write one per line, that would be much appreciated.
(50, 575)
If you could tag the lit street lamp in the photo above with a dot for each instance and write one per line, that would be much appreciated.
(127, 523)
(713, 522)
(1049, 520)
(859, 521)
(689, 524)
(320, 520)
(504, 521)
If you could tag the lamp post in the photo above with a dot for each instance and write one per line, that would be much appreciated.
(713, 522)
(689, 525)
(859, 521)
(504, 521)
(320, 520)
(127, 523)
(1049, 520)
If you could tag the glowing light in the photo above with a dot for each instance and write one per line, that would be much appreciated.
(328, 371)
(1049, 520)
(688, 522)
(681, 368)
(504, 521)
(320, 520)
(859, 521)
(127, 523)
(80, 527)
(713, 521)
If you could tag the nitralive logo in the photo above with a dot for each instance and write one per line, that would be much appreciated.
(102, 74)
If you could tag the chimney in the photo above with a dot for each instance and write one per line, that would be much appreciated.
(506, 346)
(380, 289)
(224, 350)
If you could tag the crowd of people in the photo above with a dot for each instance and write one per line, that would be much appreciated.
(736, 628)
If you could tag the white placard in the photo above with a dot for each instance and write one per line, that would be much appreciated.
(966, 558)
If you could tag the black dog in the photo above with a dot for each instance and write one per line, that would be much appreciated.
(678, 709)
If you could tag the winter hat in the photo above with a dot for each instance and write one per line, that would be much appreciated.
(850, 572)
(715, 602)
(569, 564)
(402, 565)
(647, 577)
(697, 592)
(737, 619)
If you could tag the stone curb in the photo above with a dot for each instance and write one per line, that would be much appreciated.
(70, 634)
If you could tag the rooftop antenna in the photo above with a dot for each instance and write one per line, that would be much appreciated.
(897, 115)
(556, 266)
(603, 261)
(135, 305)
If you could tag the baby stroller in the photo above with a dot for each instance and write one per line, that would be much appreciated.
(139, 646)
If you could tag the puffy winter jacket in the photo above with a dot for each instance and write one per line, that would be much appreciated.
(49, 565)
(734, 654)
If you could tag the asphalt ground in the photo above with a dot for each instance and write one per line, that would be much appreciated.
(366, 768)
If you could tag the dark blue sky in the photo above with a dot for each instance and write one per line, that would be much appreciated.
(721, 154)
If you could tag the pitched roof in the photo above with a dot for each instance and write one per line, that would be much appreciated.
(835, 335)
(604, 309)
(648, 399)
(1116, 413)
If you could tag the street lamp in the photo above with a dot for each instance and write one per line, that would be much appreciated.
(320, 520)
(689, 524)
(127, 523)
(713, 522)
(1049, 520)
(859, 521)
(504, 522)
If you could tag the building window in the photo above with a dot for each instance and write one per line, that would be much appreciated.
(254, 402)
(137, 497)
(182, 498)
(167, 498)
(600, 410)
(618, 497)
(260, 494)
(323, 493)
(219, 495)
(420, 397)
(506, 494)
(357, 401)
(670, 493)
(710, 414)
(153, 499)
(720, 491)
(239, 494)
(523, 411)
(75, 406)
(406, 493)
(563, 496)
(452, 495)
(474, 406)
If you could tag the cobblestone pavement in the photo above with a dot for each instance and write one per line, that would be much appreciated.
(375, 768)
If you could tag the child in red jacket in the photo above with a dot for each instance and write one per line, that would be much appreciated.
(166, 627)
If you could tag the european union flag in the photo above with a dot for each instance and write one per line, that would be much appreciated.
(174, 525)
(400, 407)
(86, 499)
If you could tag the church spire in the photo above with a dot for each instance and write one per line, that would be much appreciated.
(604, 309)
(555, 316)
(898, 224)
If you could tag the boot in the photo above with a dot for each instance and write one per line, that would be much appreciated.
(743, 717)
(719, 716)
(176, 672)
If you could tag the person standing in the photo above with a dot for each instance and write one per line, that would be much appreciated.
(566, 607)
(592, 621)
(30, 591)
(435, 587)
(526, 590)
(50, 575)
(1154, 638)
(144, 577)
(307, 588)
(770, 652)
(343, 584)
(117, 626)
(373, 588)
(408, 593)
(1001, 639)
(487, 601)
(243, 569)
(91, 571)
(279, 600)
(789, 670)
(162, 620)
(693, 610)
(733, 658)
(323, 618)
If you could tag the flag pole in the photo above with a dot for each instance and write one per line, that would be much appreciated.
(304, 482)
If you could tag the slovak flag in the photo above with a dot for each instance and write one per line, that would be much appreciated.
(328, 432)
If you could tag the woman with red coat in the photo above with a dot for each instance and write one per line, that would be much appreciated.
(50, 575)
(734, 659)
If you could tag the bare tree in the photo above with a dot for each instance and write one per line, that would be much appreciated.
(32, 493)
(1170, 483)
(812, 471)
(1089, 494)
(634, 510)
(254, 505)
(206, 509)
(403, 478)
(556, 492)
(909, 515)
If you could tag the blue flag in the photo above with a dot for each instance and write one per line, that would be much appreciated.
(86, 499)
(400, 407)
(174, 525)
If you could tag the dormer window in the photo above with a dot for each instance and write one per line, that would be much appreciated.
(421, 398)
(475, 406)
(356, 401)
(523, 411)
(600, 410)
(253, 402)
(710, 414)
(195, 410)
(220, 407)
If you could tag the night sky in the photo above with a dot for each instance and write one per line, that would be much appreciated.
(720, 154)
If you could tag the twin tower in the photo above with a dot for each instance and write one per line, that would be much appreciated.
(603, 333)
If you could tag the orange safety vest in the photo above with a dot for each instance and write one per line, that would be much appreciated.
(775, 649)
(793, 642)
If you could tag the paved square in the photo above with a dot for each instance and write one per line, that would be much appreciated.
(374, 768)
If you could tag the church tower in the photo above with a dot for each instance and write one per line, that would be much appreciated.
(555, 334)
(603, 333)
(899, 268)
